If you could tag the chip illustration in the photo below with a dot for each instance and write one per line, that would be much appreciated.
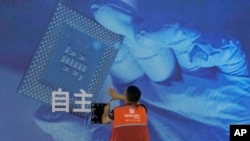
(74, 53)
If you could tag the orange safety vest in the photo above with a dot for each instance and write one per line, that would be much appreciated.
(130, 123)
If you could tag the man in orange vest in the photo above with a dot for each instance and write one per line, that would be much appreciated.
(130, 119)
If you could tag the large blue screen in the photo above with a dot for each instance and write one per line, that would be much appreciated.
(189, 58)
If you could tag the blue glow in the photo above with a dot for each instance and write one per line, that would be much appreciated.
(190, 63)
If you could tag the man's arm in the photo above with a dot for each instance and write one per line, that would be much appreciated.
(114, 95)
(105, 115)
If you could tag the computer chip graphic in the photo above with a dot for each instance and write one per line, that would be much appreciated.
(74, 53)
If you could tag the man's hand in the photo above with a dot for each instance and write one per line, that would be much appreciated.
(114, 95)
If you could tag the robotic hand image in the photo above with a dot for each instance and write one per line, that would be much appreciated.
(143, 57)
(145, 38)
(195, 50)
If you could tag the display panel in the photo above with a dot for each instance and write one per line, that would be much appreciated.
(97, 112)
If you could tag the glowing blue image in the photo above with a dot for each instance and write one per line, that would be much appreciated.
(189, 59)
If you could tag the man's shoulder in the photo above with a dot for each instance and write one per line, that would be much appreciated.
(144, 107)
(131, 105)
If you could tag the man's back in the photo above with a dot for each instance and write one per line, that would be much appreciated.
(130, 123)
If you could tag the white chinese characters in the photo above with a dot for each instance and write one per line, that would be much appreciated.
(60, 101)
(83, 95)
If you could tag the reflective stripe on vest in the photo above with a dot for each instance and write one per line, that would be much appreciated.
(129, 116)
